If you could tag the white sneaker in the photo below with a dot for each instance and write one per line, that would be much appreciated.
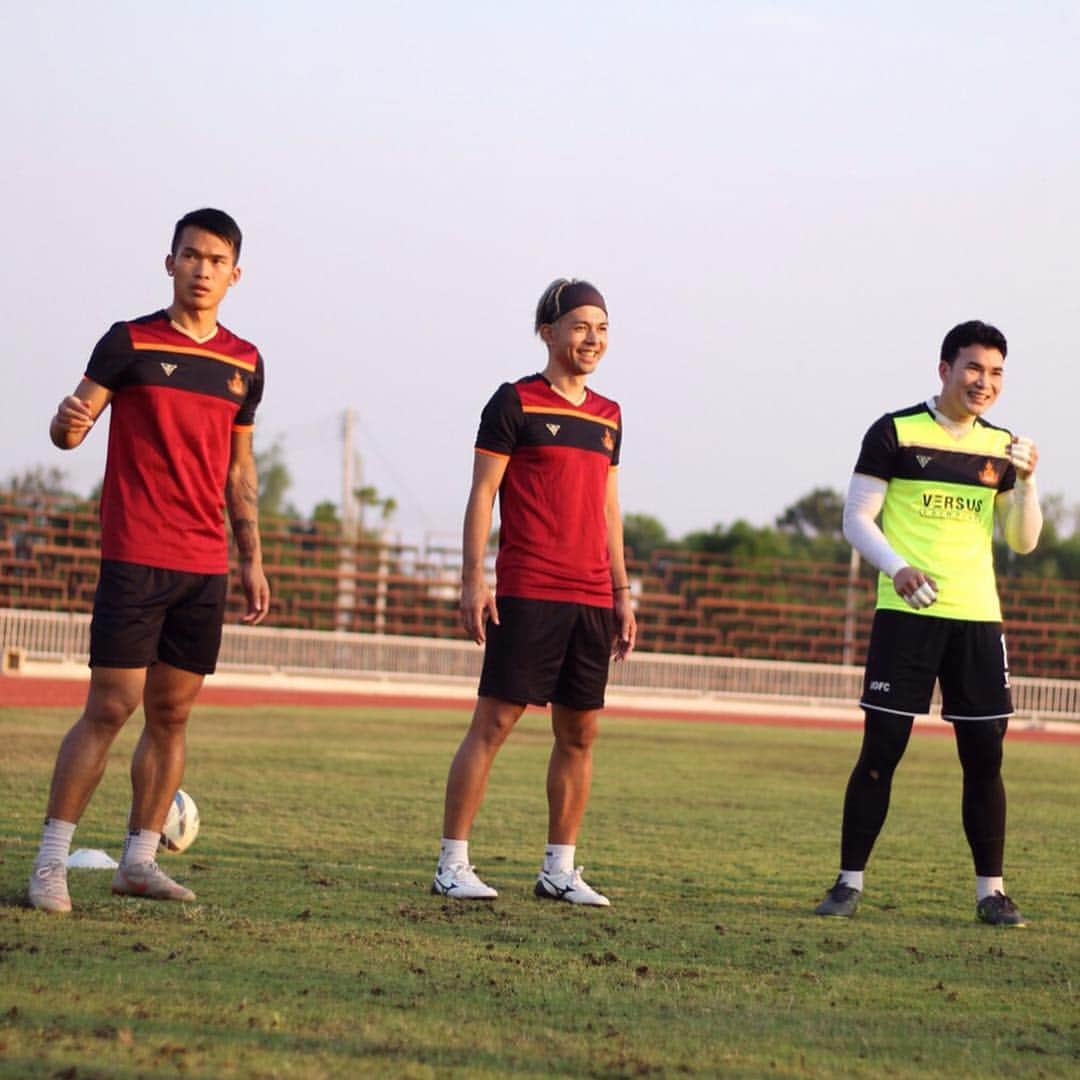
(48, 889)
(570, 886)
(149, 880)
(459, 880)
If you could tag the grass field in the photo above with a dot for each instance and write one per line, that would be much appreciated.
(315, 948)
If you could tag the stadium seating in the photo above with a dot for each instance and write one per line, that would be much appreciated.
(687, 602)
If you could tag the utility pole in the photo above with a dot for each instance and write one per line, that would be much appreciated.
(346, 592)
(348, 475)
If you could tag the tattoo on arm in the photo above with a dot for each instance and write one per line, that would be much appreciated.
(243, 502)
(246, 533)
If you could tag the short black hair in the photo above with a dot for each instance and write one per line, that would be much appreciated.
(972, 333)
(212, 221)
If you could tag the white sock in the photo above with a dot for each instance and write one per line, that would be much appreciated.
(55, 841)
(559, 858)
(852, 878)
(987, 886)
(454, 852)
(140, 847)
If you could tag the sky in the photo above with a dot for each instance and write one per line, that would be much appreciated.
(786, 205)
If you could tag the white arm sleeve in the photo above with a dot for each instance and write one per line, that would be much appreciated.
(1019, 515)
(865, 498)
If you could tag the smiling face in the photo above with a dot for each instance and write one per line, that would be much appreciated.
(577, 341)
(971, 383)
(202, 267)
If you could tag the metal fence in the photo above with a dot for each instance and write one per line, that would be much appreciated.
(58, 636)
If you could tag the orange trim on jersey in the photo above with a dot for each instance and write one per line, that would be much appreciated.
(570, 412)
(492, 453)
(193, 351)
(243, 427)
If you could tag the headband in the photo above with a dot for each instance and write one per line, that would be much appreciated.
(577, 294)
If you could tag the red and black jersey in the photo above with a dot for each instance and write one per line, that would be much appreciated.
(553, 541)
(175, 405)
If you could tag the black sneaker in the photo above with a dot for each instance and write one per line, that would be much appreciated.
(840, 901)
(998, 910)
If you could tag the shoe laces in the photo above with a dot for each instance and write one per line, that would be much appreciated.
(842, 891)
(579, 884)
(52, 875)
(464, 873)
(571, 878)
(144, 869)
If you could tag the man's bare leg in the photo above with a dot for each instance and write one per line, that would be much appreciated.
(569, 777)
(569, 781)
(80, 763)
(492, 722)
(466, 784)
(114, 695)
(157, 767)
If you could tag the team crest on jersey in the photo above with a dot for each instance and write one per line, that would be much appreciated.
(924, 459)
(608, 440)
(236, 384)
(988, 474)
(168, 368)
(553, 428)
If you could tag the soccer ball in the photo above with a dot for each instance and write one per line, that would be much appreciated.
(181, 824)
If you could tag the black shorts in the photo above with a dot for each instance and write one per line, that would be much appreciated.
(548, 650)
(908, 652)
(144, 613)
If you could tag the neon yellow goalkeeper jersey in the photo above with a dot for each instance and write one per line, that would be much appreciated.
(939, 507)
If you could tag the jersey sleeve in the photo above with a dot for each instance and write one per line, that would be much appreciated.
(111, 359)
(618, 442)
(1008, 475)
(879, 449)
(501, 422)
(245, 415)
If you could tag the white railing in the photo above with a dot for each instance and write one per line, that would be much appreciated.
(48, 635)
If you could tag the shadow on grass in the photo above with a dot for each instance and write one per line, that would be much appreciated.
(16, 899)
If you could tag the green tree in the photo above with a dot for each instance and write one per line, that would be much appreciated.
(1058, 519)
(1058, 552)
(38, 481)
(274, 481)
(43, 487)
(369, 498)
(325, 513)
(643, 534)
(817, 514)
(741, 539)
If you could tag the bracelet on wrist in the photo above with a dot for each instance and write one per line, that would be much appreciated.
(620, 588)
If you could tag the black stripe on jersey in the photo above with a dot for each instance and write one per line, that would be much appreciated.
(937, 466)
(980, 422)
(922, 407)
(195, 374)
(559, 430)
(911, 410)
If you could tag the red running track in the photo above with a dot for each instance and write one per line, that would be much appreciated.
(25, 691)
